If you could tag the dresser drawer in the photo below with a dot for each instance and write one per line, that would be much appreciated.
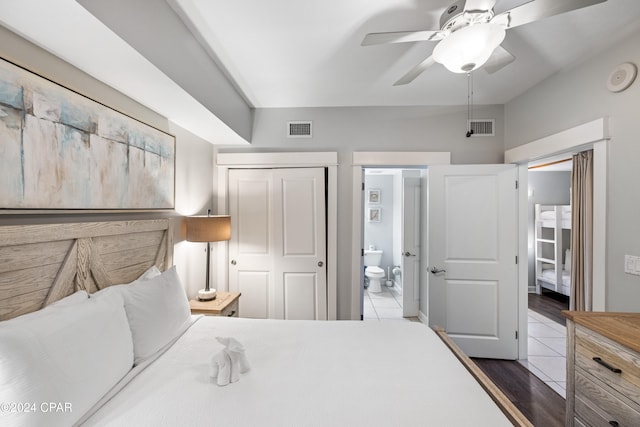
(595, 406)
(231, 310)
(590, 346)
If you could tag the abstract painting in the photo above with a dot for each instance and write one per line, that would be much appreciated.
(62, 150)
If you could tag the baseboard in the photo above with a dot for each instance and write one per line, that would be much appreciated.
(423, 318)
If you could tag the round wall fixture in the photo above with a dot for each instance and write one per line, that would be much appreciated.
(622, 77)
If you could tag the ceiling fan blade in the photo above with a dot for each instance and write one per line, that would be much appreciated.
(479, 4)
(498, 59)
(415, 72)
(539, 9)
(401, 37)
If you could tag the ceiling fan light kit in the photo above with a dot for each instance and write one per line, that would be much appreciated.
(470, 34)
(469, 47)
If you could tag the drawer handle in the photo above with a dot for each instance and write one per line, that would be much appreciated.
(609, 367)
(614, 423)
(231, 314)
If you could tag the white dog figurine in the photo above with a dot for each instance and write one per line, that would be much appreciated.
(227, 365)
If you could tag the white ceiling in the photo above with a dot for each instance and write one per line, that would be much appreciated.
(293, 53)
(307, 53)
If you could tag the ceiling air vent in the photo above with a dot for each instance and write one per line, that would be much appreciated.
(482, 127)
(301, 129)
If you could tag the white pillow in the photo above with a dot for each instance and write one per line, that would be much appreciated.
(158, 311)
(70, 356)
(152, 272)
(149, 274)
(76, 297)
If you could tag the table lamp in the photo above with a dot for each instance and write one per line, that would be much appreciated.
(208, 229)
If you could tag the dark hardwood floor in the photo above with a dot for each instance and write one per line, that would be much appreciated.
(536, 400)
(549, 304)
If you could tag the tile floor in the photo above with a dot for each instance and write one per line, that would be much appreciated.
(547, 351)
(547, 338)
(385, 305)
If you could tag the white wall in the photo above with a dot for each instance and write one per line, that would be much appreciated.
(380, 234)
(350, 129)
(194, 156)
(579, 95)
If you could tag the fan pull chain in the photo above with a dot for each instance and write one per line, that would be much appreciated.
(469, 103)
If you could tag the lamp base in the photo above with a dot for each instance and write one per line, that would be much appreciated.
(204, 295)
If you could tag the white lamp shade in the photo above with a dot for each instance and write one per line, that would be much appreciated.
(469, 48)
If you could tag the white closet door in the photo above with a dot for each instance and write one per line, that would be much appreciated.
(278, 243)
(251, 248)
(300, 286)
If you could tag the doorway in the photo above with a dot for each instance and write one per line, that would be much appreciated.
(549, 285)
(391, 213)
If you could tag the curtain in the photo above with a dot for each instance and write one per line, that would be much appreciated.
(582, 232)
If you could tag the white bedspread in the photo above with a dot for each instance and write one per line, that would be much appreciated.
(306, 373)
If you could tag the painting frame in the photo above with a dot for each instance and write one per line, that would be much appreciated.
(374, 215)
(373, 196)
(66, 152)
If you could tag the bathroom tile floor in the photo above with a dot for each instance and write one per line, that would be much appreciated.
(547, 351)
(385, 305)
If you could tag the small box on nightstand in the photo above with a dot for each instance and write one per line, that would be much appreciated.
(226, 304)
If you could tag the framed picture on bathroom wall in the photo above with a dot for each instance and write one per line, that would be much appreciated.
(373, 196)
(374, 215)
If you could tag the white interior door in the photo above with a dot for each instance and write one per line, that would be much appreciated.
(410, 260)
(251, 248)
(300, 290)
(473, 280)
(277, 250)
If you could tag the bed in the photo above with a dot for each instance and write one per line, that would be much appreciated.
(79, 350)
(554, 216)
(553, 243)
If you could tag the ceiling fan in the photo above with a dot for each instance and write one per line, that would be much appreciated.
(470, 34)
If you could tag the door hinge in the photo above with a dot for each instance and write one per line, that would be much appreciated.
(363, 186)
(516, 184)
(362, 252)
(516, 334)
(516, 259)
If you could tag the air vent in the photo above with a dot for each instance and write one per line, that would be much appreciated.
(300, 129)
(482, 127)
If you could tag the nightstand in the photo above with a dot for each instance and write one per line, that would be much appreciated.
(225, 304)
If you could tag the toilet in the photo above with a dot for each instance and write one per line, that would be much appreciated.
(372, 259)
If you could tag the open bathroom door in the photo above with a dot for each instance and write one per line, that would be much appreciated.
(473, 274)
(410, 260)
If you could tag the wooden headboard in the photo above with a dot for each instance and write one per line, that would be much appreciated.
(40, 264)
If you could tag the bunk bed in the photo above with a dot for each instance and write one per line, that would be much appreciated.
(553, 248)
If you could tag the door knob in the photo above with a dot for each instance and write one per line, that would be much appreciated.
(320, 263)
(407, 253)
(233, 262)
(436, 270)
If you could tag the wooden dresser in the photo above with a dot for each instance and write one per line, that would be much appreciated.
(603, 369)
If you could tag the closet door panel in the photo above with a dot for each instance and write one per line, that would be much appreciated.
(251, 248)
(300, 291)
